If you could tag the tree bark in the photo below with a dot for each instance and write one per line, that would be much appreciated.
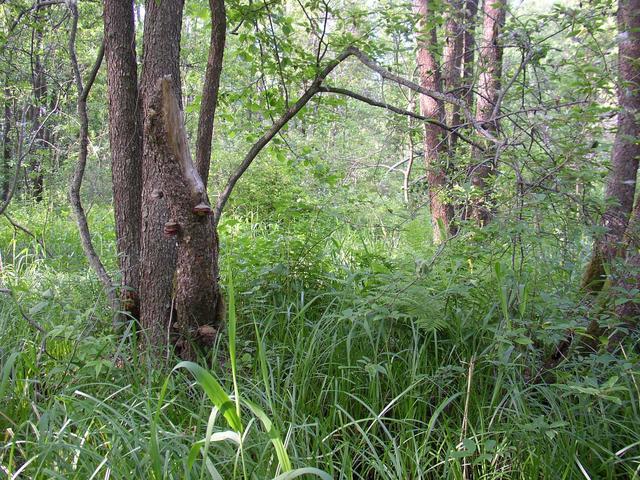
(441, 210)
(125, 137)
(39, 105)
(490, 66)
(161, 44)
(468, 48)
(197, 300)
(6, 141)
(452, 63)
(621, 183)
(211, 88)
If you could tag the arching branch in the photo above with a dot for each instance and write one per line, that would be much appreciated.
(272, 132)
(76, 182)
(399, 111)
(316, 87)
(444, 97)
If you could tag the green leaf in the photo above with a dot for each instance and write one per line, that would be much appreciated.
(232, 340)
(273, 434)
(215, 392)
(6, 370)
(227, 435)
(304, 471)
(523, 341)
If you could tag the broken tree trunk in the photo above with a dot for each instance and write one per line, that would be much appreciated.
(197, 301)
(161, 40)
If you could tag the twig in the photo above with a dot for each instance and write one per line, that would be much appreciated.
(400, 111)
(26, 317)
(22, 156)
(17, 226)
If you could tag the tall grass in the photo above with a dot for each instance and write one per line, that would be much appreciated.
(376, 364)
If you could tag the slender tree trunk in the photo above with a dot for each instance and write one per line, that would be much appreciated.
(452, 63)
(125, 136)
(490, 66)
(211, 88)
(161, 44)
(410, 151)
(40, 93)
(441, 210)
(83, 150)
(468, 48)
(6, 141)
(621, 183)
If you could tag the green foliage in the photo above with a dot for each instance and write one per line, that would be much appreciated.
(355, 348)
(361, 361)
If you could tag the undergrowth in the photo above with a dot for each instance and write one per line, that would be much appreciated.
(350, 350)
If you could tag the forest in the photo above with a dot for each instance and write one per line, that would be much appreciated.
(333, 239)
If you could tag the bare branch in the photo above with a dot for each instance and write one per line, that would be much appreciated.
(36, 6)
(22, 156)
(400, 111)
(24, 229)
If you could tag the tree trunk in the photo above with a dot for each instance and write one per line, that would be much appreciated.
(40, 93)
(468, 48)
(452, 63)
(441, 210)
(196, 286)
(6, 142)
(211, 88)
(621, 183)
(125, 136)
(161, 44)
(490, 66)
